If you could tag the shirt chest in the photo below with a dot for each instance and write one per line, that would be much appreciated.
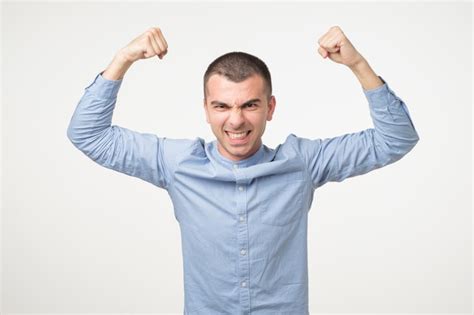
(262, 194)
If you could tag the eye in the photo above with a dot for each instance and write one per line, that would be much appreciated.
(220, 107)
(250, 105)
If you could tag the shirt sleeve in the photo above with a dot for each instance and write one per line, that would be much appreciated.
(141, 155)
(337, 158)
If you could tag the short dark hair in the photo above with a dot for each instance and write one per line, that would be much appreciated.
(237, 66)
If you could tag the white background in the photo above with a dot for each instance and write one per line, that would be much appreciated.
(77, 237)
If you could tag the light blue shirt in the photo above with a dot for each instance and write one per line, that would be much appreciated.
(243, 224)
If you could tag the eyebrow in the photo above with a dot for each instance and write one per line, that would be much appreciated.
(255, 100)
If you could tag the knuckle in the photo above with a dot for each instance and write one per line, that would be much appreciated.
(157, 35)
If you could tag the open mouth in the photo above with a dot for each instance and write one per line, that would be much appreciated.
(238, 136)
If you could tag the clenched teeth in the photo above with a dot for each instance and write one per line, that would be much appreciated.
(240, 135)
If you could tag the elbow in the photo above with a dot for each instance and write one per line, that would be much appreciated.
(415, 141)
(82, 141)
(411, 143)
(409, 147)
(93, 144)
(410, 139)
(402, 149)
(72, 135)
(393, 149)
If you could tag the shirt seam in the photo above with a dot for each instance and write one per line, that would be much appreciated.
(179, 157)
(305, 164)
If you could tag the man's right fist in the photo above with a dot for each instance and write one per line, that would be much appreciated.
(149, 44)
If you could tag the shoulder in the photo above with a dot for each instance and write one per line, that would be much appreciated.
(299, 143)
(294, 146)
(179, 147)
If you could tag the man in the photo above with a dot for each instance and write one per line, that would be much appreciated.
(242, 207)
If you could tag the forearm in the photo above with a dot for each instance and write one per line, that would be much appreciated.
(117, 68)
(366, 76)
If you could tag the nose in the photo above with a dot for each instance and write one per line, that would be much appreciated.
(236, 118)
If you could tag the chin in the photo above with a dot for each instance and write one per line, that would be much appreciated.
(235, 151)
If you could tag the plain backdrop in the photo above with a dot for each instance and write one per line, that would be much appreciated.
(80, 238)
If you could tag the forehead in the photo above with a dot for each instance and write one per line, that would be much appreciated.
(220, 88)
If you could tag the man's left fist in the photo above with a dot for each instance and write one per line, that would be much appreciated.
(335, 45)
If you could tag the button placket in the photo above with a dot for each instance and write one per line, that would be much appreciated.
(241, 186)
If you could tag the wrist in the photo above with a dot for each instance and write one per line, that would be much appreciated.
(366, 76)
(123, 59)
(117, 68)
(360, 66)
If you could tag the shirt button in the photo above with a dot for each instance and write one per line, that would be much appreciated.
(243, 284)
(242, 219)
(236, 166)
(241, 188)
(243, 252)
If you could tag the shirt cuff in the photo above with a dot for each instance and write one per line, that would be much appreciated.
(104, 88)
(380, 96)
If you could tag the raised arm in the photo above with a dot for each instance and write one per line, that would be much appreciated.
(90, 130)
(393, 135)
(149, 44)
(335, 45)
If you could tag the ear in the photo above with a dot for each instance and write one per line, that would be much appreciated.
(206, 111)
(271, 107)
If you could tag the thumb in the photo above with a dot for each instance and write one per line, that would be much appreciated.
(323, 52)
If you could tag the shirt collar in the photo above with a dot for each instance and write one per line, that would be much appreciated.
(251, 160)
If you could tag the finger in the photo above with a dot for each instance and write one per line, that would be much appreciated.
(332, 48)
(163, 54)
(332, 39)
(163, 39)
(158, 43)
(323, 52)
(326, 36)
(332, 44)
(323, 47)
(152, 47)
(158, 40)
(323, 39)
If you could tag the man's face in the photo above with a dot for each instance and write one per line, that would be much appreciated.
(237, 113)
